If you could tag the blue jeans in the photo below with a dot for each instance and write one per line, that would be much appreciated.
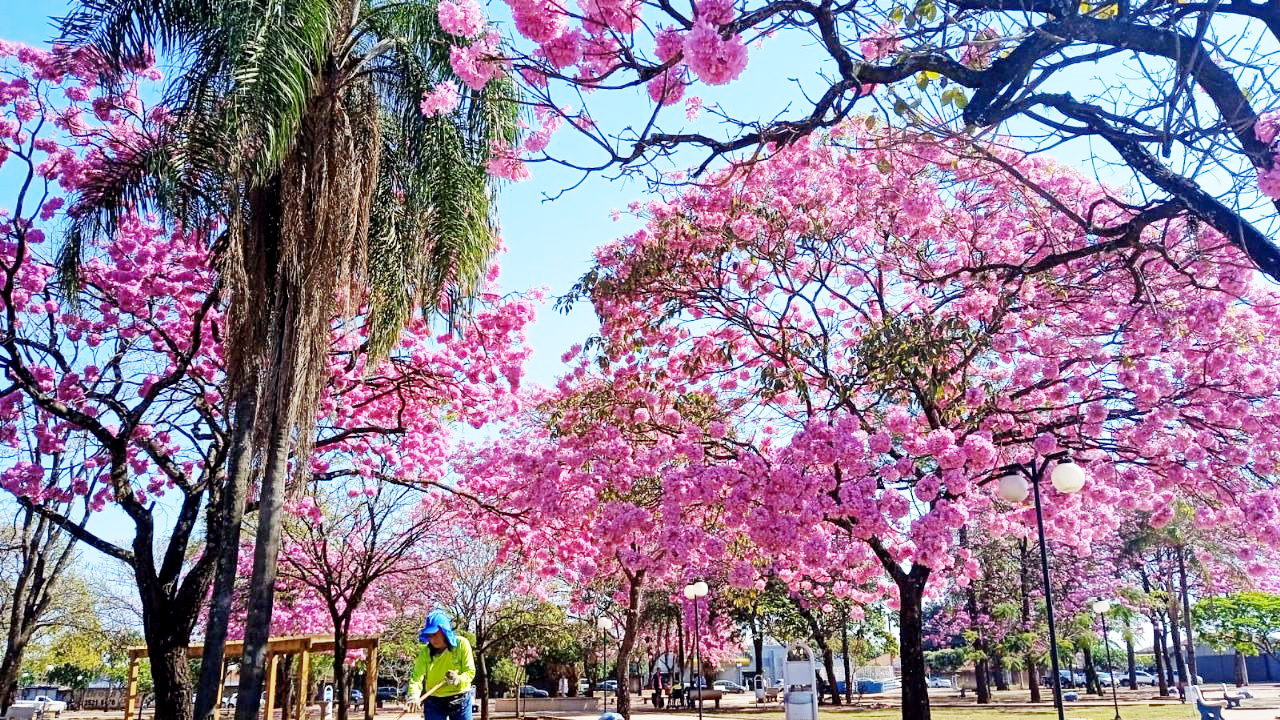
(435, 709)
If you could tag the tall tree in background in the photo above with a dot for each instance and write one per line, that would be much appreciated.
(34, 555)
(303, 127)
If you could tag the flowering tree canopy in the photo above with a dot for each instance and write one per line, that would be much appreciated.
(882, 331)
(1194, 85)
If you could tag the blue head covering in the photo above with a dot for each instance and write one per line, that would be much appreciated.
(438, 621)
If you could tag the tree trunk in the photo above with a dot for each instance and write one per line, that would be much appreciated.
(1242, 670)
(9, 669)
(1132, 661)
(915, 686)
(284, 683)
(172, 678)
(631, 627)
(1028, 660)
(1091, 673)
(758, 645)
(1186, 619)
(231, 507)
(262, 585)
(482, 681)
(844, 653)
(1176, 643)
(983, 690)
(341, 679)
(829, 665)
(684, 686)
(998, 675)
(1162, 670)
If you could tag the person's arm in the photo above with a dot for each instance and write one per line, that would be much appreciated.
(418, 674)
(466, 665)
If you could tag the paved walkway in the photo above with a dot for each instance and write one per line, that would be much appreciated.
(1264, 706)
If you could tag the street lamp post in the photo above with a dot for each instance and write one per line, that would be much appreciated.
(693, 592)
(1018, 482)
(605, 625)
(1102, 607)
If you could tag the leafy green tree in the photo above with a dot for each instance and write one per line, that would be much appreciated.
(294, 125)
(1246, 623)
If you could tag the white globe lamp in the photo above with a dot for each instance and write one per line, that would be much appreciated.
(1068, 477)
(1014, 488)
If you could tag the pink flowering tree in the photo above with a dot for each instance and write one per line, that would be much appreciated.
(579, 481)
(130, 386)
(891, 327)
(944, 65)
(348, 545)
(122, 393)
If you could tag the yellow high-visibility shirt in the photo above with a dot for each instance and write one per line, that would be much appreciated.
(428, 671)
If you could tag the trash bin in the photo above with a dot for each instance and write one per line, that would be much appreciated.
(800, 686)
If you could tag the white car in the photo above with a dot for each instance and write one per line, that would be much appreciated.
(46, 704)
(939, 682)
(728, 686)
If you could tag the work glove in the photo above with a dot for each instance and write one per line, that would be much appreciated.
(451, 677)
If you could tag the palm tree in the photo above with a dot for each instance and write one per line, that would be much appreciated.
(294, 129)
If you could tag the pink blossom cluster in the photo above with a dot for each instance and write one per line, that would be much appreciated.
(476, 64)
(715, 59)
(441, 100)
(1265, 128)
(461, 18)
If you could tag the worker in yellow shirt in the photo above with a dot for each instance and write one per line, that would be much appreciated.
(443, 671)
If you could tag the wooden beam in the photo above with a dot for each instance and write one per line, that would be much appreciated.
(371, 682)
(131, 689)
(286, 645)
(222, 682)
(304, 675)
(273, 663)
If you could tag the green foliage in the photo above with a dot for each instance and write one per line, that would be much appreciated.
(1248, 622)
(946, 661)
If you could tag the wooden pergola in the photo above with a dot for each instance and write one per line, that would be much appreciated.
(300, 645)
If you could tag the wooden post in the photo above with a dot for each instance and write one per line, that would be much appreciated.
(217, 702)
(371, 682)
(131, 689)
(273, 661)
(304, 675)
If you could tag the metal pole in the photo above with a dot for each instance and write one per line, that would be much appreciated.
(1048, 592)
(697, 657)
(1110, 668)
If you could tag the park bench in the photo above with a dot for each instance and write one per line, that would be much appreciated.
(24, 712)
(1234, 700)
(705, 694)
(1206, 710)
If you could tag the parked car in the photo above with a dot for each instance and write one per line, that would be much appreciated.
(388, 694)
(583, 686)
(357, 696)
(529, 691)
(609, 686)
(229, 701)
(1145, 678)
(48, 706)
(939, 682)
(728, 686)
